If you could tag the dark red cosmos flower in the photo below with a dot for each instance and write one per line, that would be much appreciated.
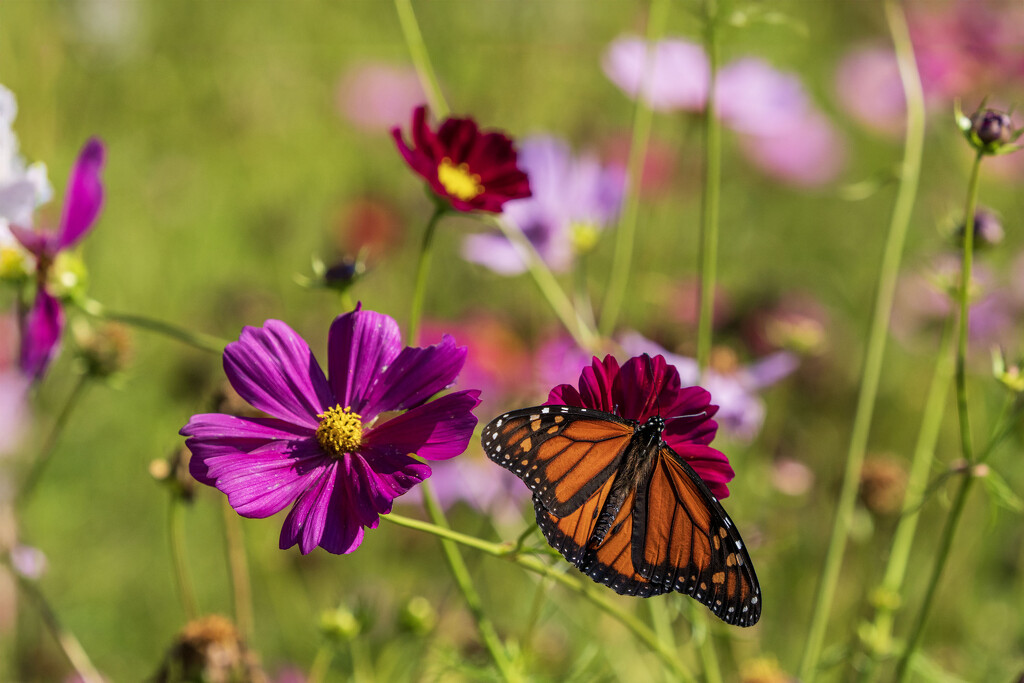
(645, 387)
(471, 169)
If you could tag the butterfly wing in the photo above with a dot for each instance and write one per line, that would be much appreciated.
(683, 540)
(563, 453)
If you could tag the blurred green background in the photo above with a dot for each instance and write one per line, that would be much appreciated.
(229, 167)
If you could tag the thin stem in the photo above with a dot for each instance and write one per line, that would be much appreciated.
(875, 352)
(238, 569)
(506, 551)
(321, 663)
(420, 57)
(28, 486)
(69, 644)
(948, 533)
(199, 340)
(548, 286)
(643, 116)
(469, 593)
(888, 595)
(422, 269)
(176, 534)
(712, 189)
(966, 444)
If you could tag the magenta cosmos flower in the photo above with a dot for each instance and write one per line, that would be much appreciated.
(646, 387)
(42, 326)
(326, 450)
(471, 169)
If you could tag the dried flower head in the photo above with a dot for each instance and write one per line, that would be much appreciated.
(883, 483)
(210, 649)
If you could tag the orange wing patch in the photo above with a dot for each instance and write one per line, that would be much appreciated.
(685, 541)
(564, 457)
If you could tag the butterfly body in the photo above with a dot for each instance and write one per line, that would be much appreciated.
(617, 502)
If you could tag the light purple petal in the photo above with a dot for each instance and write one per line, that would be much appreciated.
(674, 76)
(869, 87)
(809, 154)
(414, 376)
(18, 201)
(360, 346)
(40, 334)
(305, 521)
(754, 97)
(494, 252)
(14, 409)
(84, 196)
(434, 431)
(272, 368)
(770, 369)
(35, 241)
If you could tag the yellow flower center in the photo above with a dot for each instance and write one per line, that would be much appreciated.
(14, 263)
(458, 181)
(340, 431)
(584, 237)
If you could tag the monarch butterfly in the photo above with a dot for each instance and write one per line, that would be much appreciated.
(616, 501)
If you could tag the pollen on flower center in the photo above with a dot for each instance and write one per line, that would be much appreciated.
(340, 430)
(458, 181)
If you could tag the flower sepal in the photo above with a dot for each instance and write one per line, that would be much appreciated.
(338, 277)
(1009, 376)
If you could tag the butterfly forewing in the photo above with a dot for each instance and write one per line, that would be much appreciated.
(684, 540)
(564, 454)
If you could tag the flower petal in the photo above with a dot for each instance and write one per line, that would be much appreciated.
(305, 521)
(414, 376)
(215, 434)
(84, 195)
(346, 513)
(434, 431)
(40, 334)
(360, 346)
(711, 465)
(393, 474)
(272, 368)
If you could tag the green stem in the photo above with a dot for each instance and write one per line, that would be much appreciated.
(28, 486)
(199, 340)
(321, 664)
(420, 57)
(69, 644)
(966, 444)
(548, 286)
(712, 189)
(966, 447)
(176, 533)
(238, 570)
(948, 533)
(422, 269)
(910, 174)
(622, 258)
(506, 551)
(469, 593)
(888, 595)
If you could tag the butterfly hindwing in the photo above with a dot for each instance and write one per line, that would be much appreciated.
(683, 540)
(563, 453)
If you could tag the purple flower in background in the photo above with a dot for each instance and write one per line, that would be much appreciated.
(376, 96)
(781, 131)
(869, 87)
(572, 199)
(43, 324)
(674, 74)
(741, 411)
(13, 409)
(755, 98)
(494, 491)
(325, 449)
(22, 188)
(809, 153)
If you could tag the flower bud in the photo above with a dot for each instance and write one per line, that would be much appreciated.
(989, 131)
(339, 625)
(988, 229)
(173, 472)
(883, 483)
(418, 616)
(105, 350)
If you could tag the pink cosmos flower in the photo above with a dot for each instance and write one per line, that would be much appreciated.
(573, 198)
(328, 449)
(673, 74)
(646, 387)
(377, 96)
(43, 325)
(470, 169)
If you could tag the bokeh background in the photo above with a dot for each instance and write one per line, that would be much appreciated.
(240, 147)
